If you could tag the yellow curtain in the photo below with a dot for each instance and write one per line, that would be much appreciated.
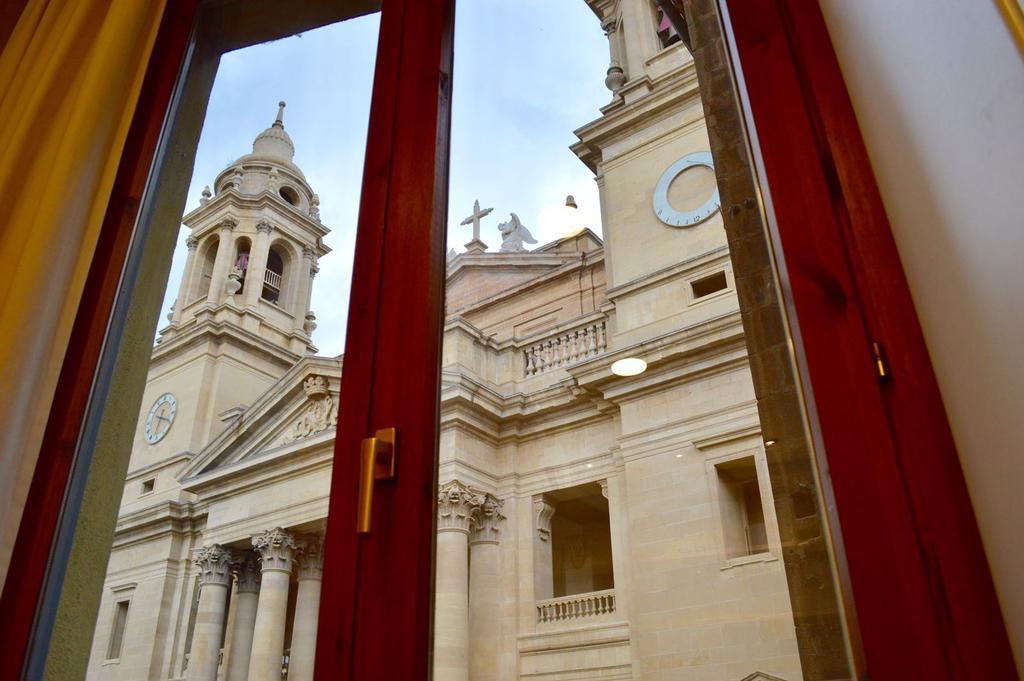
(70, 77)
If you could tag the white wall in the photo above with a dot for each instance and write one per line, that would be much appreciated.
(938, 88)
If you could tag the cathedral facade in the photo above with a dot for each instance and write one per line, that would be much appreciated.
(593, 522)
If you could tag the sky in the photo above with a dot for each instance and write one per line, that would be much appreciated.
(526, 75)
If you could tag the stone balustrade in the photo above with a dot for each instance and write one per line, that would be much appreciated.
(576, 607)
(566, 348)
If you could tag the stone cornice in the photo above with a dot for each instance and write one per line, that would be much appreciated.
(667, 93)
(148, 469)
(229, 199)
(706, 348)
(681, 268)
(169, 517)
(571, 263)
(263, 471)
(195, 332)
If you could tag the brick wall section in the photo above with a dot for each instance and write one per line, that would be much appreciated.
(805, 547)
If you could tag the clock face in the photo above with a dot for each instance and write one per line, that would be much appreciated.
(684, 218)
(160, 418)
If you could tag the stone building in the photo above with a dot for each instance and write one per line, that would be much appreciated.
(591, 525)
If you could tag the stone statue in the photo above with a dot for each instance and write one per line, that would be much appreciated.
(513, 234)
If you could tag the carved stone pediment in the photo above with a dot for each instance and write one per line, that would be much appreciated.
(302, 404)
(761, 676)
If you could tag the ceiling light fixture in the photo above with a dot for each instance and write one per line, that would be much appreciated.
(629, 366)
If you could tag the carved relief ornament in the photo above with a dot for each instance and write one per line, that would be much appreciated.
(276, 549)
(214, 565)
(319, 413)
(247, 572)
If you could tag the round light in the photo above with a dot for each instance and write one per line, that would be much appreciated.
(630, 366)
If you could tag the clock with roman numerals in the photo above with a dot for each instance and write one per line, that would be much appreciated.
(160, 418)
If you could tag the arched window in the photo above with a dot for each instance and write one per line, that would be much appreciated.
(206, 272)
(273, 279)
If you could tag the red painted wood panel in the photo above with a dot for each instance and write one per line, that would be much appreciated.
(922, 588)
(376, 610)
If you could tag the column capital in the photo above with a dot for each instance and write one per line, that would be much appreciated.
(311, 558)
(227, 224)
(214, 565)
(543, 512)
(264, 227)
(191, 242)
(276, 549)
(455, 506)
(247, 572)
(487, 519)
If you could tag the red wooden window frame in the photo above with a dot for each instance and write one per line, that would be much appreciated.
(926, 607)
(921, 584)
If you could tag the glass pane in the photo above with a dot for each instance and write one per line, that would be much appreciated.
(216, 561)
(609, 503)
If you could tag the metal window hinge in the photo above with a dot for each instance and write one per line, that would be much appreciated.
(881, 362)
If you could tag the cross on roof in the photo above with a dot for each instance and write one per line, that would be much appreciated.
(475, 245)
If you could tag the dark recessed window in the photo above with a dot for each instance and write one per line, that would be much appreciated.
(289, 195)
(117, 630)
(147, 485)
(708, 285)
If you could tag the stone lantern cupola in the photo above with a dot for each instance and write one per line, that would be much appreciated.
(253, 250)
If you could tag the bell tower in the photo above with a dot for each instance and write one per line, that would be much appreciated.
(650, 153)
(242, 317)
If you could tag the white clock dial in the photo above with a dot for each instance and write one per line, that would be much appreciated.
(684, 218)
(160, 418)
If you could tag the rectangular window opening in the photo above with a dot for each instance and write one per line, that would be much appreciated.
(117, 630)
(739, 498)
(148, 485)
(708, 285)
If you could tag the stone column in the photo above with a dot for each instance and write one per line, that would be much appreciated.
(640, 35)
(257, 264)
(247, 593)
(185, 289)
(455, 505)
(275, 548)
(214, 566)
(485, 590)
(307, 609)
(543, 569)
(302, 291)
(614, 491)
(223, 262)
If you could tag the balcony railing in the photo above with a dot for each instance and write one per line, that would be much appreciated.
(577, 607)
(272, 279)
(566, 348)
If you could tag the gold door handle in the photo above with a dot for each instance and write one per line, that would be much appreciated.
(378, 460)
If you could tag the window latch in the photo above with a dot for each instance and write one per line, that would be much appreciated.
(378, 460)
